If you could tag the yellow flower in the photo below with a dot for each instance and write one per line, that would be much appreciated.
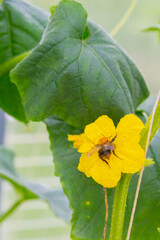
(107, 151)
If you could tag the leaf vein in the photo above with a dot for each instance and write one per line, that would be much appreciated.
(107, 67)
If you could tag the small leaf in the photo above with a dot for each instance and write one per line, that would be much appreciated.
(155, 27)
(52, 10)
(21, 28)
(78, 72)
(30, 190)
(149, 162)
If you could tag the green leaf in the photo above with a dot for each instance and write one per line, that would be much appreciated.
(21, 28)
(52, 10)
(30, 190)
(155, 27)
(155, 126)
(147, 217)
(148, 162)
(10, 100)
(86, 197)
(78, 72)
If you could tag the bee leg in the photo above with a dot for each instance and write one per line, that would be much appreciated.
(105, 161)
(113, 138)
(116, 155)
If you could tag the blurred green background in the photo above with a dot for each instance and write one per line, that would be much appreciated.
(34, 220)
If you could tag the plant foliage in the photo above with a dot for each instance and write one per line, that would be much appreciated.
(78, 72)
(21, 28)
(69, 72)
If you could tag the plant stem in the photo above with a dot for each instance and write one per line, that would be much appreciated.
(141, 172)
(106, 217)
(10, 210)
(119, 204)
(124, 19)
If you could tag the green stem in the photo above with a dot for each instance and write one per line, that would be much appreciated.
(8, 65)
(10, 210)
(118, 211)
(124, 19)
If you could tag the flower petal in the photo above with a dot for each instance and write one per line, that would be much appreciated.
(133, 157)
(86, 163)
(77, 139)
(107, 176)
(127, 143)
(86, 145)
(81, 142)
(102, 127)
(129, 129)
(100, 171)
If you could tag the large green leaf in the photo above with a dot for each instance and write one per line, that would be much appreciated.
(147, 217)
(21, 28)
(78, 72)
(30, 190)
(86, 197)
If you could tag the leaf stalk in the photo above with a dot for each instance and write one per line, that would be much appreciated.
(118, 210)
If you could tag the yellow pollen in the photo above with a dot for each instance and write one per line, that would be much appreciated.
(88, 203)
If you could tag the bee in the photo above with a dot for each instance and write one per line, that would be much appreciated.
(104, 148)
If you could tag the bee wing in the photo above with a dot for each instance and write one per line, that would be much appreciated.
(93, 150)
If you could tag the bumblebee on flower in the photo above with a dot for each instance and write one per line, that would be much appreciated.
(107, 151)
